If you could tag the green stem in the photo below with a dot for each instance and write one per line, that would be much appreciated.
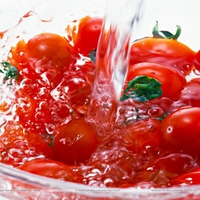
(93, 56)
(9, 70)
(166, 34)
(142, 89)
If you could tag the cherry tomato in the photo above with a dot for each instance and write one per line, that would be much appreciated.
(18, 145)
(180, 130)
(145, 132)
(49, 55)
(88, 72)
(75, 142)
(51, 169)
(172, 161)
(190, 178)
(190, 95)
(165, 50)
(89, 30)
(171, 87)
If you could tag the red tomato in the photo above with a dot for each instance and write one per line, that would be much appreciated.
(190, 95)
(37, 107)
(88, 34)
(167, 52)
(180, 130)
(51, 169)
(48, 54)
(172, 162)
(145, 132)
(88, 71)
(190, 178)
(18, 145)
(171, 80)
(197, 61)
(75, 142)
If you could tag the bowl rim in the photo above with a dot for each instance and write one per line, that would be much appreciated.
(55, 185)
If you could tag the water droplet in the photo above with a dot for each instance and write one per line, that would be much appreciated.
(39, 10)
(156, 111)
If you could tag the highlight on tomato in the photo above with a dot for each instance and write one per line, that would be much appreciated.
(165, 49)
(146, 81)
(74, 141)
(180, 130)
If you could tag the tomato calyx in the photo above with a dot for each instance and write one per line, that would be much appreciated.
(142, 89)
(9, 70)
(92, 55)
(166, 34)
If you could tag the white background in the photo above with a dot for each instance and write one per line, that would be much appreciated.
(169, 14)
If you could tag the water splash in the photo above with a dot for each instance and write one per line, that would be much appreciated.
(121, 19)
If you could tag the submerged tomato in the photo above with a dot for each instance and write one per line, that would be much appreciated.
(18, 145)
(75, 142)
(190, 178)
(172, 161)
(88, 34)
(145, 132)
(190, 95)
(180, 130)
(172, 81)
(51, 169)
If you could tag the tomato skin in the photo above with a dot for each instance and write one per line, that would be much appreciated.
(180, 130)
(88, 34)
(74, 142)
(171, 87)
(171, 53)
(190, 95)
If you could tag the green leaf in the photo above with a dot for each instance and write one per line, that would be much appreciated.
(9, 70)
(93, 56)
(142, 89)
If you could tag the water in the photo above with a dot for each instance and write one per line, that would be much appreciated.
(120, 23)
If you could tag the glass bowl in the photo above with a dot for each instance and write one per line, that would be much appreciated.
(23, 19)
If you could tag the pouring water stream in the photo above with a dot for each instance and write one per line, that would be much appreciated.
(112, 58)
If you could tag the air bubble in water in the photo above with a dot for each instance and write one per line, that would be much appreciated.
(50, 128)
